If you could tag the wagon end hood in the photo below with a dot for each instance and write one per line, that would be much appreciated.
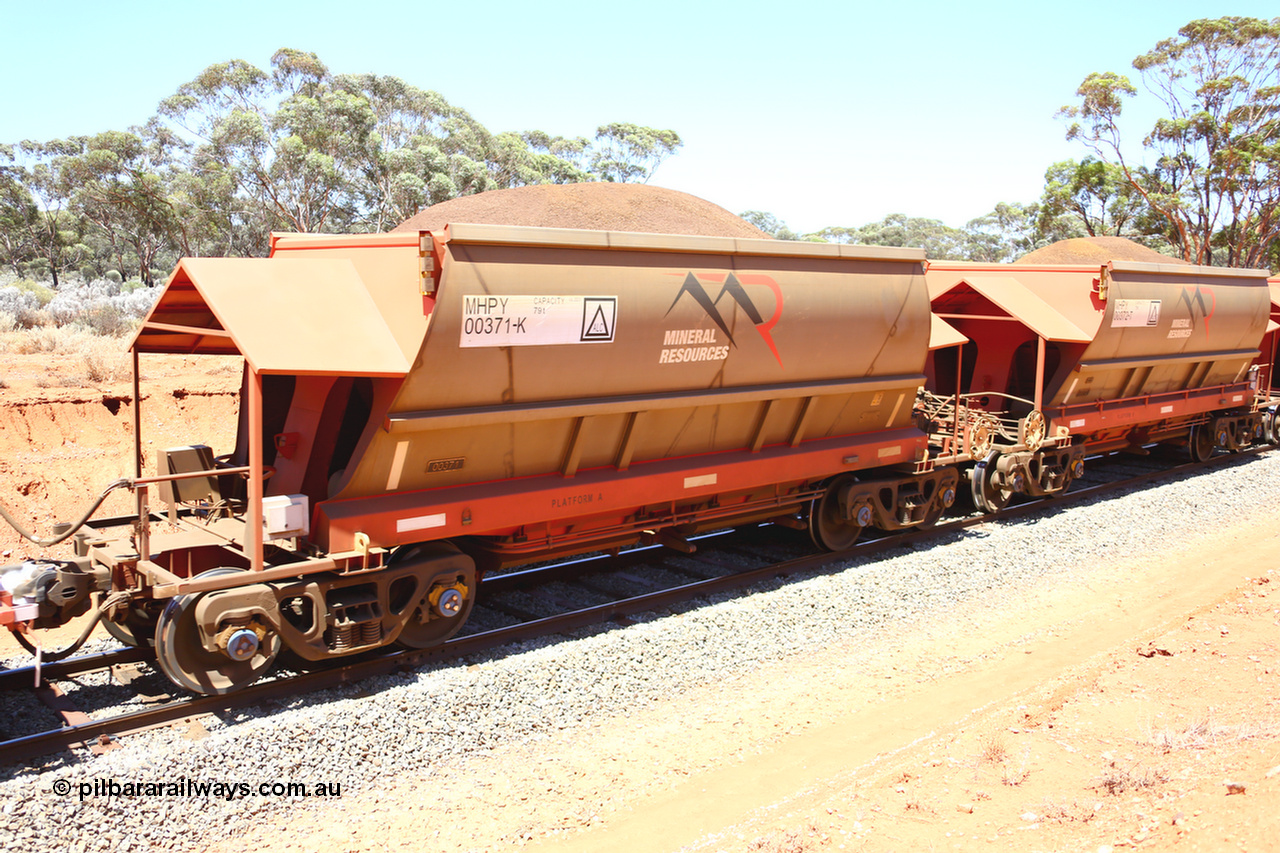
(284, 315)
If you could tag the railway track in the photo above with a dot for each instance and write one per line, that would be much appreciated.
(538, 602)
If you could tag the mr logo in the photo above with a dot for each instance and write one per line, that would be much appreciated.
(1201, 298)
(733, 288)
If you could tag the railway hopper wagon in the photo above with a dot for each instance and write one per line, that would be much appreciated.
(1057, 362)
(1269, 357)
(418, 409)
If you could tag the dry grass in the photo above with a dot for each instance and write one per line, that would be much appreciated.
(104, 358)
(58, 339)
(994, 750)
(1115, 780)
(914, 805)
(48, 339)
(105, 363)
(1014, 776)
(1206, 733)
(1064, 812)
(226, 367)
(794, 841)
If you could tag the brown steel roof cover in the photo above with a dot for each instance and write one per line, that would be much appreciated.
(943, 334)
(284, 315)
(1021, 303)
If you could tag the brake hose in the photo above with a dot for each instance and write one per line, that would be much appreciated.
(47, 543)
(52, 657)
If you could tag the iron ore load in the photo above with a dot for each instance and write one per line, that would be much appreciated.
(419, 408)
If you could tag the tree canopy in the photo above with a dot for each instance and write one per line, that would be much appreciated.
(1213, 179)
(1208, 190)
(1002, 235)
(241, 151)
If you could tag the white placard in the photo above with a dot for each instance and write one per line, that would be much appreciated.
(525, 321)
(1135, 312)
(421, 522)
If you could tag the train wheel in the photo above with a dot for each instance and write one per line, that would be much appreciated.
(138, 628)
(443, 610)
(188, 664)
(1075, 470)
(433, 623)
(987, 495)
(1200, 443)
(828, 528)
(941, 502)
(932, 518)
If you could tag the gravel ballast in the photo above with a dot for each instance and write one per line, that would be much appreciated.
(412, 723)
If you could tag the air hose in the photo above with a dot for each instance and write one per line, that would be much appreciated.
(52, 657)
(47, 543)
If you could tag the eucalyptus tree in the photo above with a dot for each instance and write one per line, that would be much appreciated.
(559, 159)
(302, 149)
(116, 185)
(56, 235)
(239, 152)
(420, 150)
(775, 227)
(289, 140)
(19, 217)
(624, 152)
(1008, 232)
(1094, 197)
(939, 240)
(1215, 175)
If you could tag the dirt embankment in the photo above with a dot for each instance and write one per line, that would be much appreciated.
(61, 444)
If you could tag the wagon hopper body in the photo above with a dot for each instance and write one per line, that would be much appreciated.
(1268, 361)
(419, 408)
(1060, 360)
(575, 389)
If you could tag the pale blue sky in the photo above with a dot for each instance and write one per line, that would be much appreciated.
(822, 113)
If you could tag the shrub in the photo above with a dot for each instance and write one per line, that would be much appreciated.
(42, 294)
(23, 306)
(106, 320)
(105, 306)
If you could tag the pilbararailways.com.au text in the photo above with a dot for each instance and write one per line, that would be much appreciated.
(195, 788)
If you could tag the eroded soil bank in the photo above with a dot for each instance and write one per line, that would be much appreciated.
(63, 439)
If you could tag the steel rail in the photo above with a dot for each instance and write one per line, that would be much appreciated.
(44, 743)
(16, 679)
